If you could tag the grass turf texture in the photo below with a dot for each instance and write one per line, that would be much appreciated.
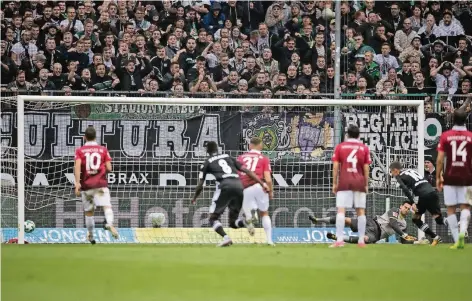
(241, 272)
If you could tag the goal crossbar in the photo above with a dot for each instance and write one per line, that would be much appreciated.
(21, 99)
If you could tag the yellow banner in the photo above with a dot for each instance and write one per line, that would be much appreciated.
(195, 236)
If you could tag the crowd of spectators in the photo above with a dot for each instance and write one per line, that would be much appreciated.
(264, 47)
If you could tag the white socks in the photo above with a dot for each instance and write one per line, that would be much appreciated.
(90, 223)
(267, 224)
(340, 226)
(464, 220)
(361, 223)
(108, 216)
(453, 226)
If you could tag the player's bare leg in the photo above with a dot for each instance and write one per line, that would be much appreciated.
(339, 228)
(361, 224)
(90, 224)
(463, 224)
(267, 224)
(426, 229)
(453, 224)
(109, 221)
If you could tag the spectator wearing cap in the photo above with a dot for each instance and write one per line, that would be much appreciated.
(275, 21)
(429, 170)
(23, 51)
(215, 19)
(449, 27)
(412, 51)
(243, 88)
(404, 36)
(446, 79)
(9, 68)
(284, 16)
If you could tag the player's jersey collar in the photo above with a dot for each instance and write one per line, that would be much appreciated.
(255, 151)
(91, 143)
(352, 140)
(459, 128)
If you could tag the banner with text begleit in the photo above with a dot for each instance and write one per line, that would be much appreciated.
(157, 152)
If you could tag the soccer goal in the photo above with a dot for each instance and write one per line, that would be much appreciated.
(157, 147)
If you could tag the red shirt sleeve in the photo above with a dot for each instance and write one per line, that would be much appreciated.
(442, 142)
(107, 155)
(336, 154)
(267, 165)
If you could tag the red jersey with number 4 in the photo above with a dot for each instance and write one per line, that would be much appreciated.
(352, 155)
(256, 162)
(93, 171)
(457, 147)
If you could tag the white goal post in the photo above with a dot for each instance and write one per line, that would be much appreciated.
(23, 102)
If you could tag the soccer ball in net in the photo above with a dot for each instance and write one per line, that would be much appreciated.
(157, 219)
(29, 226)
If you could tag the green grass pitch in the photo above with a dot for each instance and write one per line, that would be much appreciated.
(241, 272)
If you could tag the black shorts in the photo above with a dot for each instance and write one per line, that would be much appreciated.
(372, 229)
(430, 203)
(229, 194)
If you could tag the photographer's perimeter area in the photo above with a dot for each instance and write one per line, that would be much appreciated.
(119, 272)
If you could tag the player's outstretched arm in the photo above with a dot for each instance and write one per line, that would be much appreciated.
(405, 189)
(198, 190)
(393, 215)
(77, 166)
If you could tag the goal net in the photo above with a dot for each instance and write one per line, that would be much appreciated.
(157, 149)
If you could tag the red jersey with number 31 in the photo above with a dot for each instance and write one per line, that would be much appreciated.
(457, 146)
(352, 155)
(256, 162)
(93, 171)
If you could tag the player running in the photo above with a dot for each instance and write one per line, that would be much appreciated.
(254, 194)
(351, 189)
(378, 228)
(92, 162)
(456, 146)
(229, 191)
(428, 199)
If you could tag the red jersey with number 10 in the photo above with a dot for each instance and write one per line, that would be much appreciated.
(352, 155)
(256, 162)
(457, 146)
(93, 171)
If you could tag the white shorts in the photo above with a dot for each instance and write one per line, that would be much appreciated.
(256, 197)
(97, 197)
(347, 198)
(456, 195)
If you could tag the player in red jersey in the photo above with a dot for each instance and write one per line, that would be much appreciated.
(92, 162)
(456, 145)
(255, 195)
(351, 160)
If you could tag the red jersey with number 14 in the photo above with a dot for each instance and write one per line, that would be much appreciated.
(457, 146)
(256, 162)
(352, 155)
(93, 171)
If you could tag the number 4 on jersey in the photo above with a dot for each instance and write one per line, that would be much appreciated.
(459, 151)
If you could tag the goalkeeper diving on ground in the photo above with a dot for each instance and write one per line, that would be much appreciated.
(377, 228)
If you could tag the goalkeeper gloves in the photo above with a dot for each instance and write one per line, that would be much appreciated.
(408, 237)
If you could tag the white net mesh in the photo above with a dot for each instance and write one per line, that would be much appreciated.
(156, 159)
